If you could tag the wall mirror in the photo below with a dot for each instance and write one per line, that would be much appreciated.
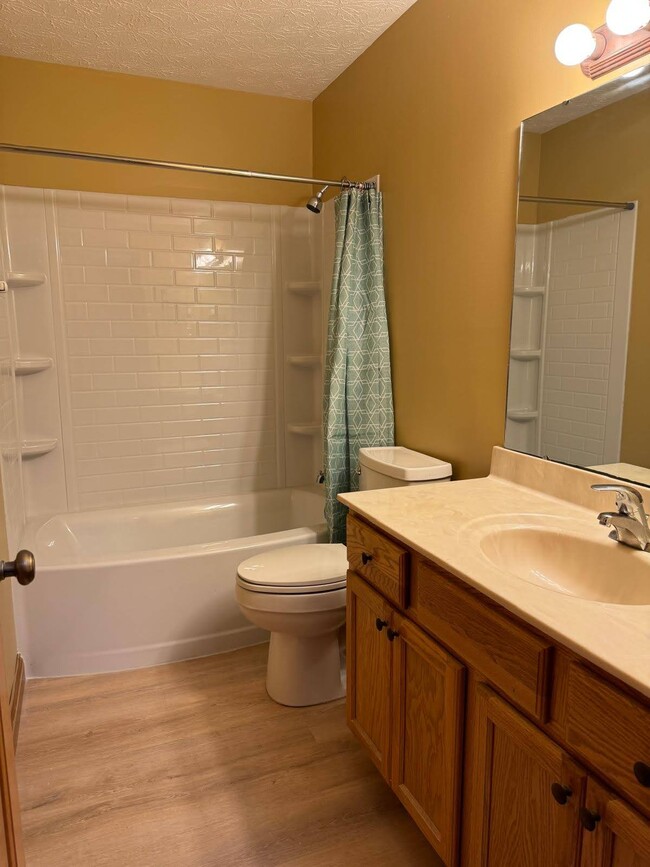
(580, 338)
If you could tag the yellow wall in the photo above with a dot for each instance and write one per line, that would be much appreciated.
(434, 105)
(604, 155)
(82, 109)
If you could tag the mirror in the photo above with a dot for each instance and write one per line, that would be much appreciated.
(580, 335)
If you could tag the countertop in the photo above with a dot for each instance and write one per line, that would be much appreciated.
(443, 522)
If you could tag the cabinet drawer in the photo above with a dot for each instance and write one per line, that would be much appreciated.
(515, 660)
(610, 729)
(379, 560)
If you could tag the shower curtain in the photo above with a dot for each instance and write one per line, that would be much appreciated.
(358, 397)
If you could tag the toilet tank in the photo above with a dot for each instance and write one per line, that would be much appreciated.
(395, 466)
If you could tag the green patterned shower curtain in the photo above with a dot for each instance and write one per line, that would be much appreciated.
(358, 397)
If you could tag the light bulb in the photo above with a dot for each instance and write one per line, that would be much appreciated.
(575, 44)
(627, 16)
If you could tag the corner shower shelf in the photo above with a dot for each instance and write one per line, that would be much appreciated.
(305, 430)
(304, 360)
(522, 414)
(23, 279)
(32, 364)
(530, 291)
(36, 448)
(525, 354)
(304, 287)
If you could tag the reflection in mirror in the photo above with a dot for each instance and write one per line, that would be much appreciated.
(580, 339)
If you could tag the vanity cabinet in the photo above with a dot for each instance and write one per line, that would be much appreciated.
(427, 735)
(527, 792)
(405, 704)
(369, 664)
(506, 748)
(614, 835)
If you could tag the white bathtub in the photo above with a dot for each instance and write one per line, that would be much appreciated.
(131, 587)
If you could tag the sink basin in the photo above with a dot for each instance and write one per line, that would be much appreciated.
(571, 564)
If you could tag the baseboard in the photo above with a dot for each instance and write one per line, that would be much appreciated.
(16, 697)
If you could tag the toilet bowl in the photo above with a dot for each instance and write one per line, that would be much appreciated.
(298, 593)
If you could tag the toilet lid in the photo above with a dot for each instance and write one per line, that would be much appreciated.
(297, 569)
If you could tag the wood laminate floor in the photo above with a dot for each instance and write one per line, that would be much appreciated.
(192, 765)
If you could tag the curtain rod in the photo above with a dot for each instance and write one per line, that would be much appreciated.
(185, 167)
(625, 206)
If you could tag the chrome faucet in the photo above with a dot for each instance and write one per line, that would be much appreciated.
(630, 523)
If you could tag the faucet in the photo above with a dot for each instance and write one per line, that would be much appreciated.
(630, 523)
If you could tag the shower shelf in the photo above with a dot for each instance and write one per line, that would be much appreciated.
(32, 364)
(522, 414)
(525, 354)
(305, 430)
(530, 291)
(36, 448)
(23, 279)
(304, 287)
(304, 360)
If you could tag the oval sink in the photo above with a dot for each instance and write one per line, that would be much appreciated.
(574, 565)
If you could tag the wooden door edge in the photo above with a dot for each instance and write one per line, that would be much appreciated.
(16, 697)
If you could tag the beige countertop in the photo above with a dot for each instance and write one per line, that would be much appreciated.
(444, 522)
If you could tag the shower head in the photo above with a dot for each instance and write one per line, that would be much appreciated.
(316, 202)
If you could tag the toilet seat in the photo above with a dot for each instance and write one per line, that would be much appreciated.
(299, 569)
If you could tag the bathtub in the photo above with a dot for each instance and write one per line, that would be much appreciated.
(131, 587)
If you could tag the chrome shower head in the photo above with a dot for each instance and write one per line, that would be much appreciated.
(315, 203)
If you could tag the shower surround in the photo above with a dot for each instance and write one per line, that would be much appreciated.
(175, 327)
(168, 380)
(571, 308)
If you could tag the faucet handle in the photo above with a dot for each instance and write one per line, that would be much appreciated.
(625, 495)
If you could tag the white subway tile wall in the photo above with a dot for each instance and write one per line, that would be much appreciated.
(580, 311)
(169, 310)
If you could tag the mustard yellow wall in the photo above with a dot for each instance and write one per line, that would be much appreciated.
(82, 109)
(604, 155)
(434, 105)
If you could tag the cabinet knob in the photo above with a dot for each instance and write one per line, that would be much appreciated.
(379, 623)
(392, 634)
(642, 773)
(588, 819)
(561, 793)
(366, 558)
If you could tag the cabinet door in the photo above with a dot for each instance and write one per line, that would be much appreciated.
(524, 804)
(369, 617)
(428, 715)
(614, 834)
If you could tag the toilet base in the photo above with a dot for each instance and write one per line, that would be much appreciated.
(303, 670)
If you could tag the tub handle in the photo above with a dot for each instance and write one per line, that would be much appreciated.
(23, 568)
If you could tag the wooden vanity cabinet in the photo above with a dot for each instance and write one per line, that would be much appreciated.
(614, 834)
(525, 800)
(446, 686)
(427, 735)
(405, 704)
(369, 670)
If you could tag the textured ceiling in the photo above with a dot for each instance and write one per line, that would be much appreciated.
(282, 47)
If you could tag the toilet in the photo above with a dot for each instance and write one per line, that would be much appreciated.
(298, 593)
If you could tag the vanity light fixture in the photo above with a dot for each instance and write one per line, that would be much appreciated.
(625, 17)
(622, 39)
